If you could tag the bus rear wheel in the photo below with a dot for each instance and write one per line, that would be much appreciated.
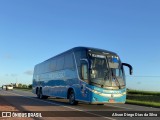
(38, 92)
(72, 100)
(40, 95)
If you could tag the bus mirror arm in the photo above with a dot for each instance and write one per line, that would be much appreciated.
(130, 67)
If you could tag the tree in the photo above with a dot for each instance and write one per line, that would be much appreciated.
(24, 86)
(30, 86)
(19, 85)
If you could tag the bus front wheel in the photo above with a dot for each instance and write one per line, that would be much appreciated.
(72, 100)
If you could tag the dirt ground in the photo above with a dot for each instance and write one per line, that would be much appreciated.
(5, 106)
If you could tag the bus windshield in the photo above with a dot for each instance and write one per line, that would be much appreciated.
(106, 71)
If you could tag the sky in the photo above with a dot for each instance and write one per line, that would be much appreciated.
(32, 31)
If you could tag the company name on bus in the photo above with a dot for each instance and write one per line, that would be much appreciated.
(112, 92)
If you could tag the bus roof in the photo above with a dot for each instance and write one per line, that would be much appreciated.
(82, 48)
(95, 49)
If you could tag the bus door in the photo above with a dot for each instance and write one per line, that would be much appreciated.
(84, 92)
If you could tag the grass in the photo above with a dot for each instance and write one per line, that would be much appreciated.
(144, 103)
(145, 98)
(143, 92)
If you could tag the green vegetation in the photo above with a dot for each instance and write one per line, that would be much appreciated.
(144, 103)
(146, 98)
(24, 87)
(143, 92)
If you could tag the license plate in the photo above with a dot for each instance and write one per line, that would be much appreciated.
(111, 101)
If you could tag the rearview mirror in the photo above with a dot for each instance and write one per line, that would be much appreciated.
(129, 66)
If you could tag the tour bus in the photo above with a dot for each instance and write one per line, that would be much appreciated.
(84, 74)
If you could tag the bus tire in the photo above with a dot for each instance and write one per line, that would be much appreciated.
(45, 97)
(40, 95)
(38, 92)
(72, 100)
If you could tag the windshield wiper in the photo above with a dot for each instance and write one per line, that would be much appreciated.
(106, 74)
(116, 81)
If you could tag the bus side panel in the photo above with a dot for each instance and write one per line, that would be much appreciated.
(82, 94)
(57, 83)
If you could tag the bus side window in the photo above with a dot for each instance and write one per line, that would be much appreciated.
(60, 63)
(84, 72)
(69, 61)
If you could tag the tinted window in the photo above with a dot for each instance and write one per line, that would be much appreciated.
(46, 67)
(52, 65)
(79, 55)
(60, 63)
(69, 61)
(40, 68)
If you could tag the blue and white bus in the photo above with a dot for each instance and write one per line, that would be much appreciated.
(84, 74)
